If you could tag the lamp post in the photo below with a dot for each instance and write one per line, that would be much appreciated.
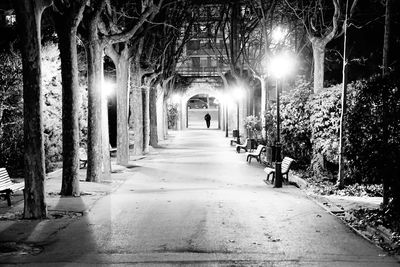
(278, 145)
(226, 119)
(238, 94)
(280, 66)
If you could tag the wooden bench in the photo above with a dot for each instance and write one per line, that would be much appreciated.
(286, 162)
(82, 157)
(7, 187)
(242, 146)
(256, 154)
(112, 150)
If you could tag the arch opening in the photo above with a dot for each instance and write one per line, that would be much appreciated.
(198, 106)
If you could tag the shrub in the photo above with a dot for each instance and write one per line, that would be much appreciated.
(296, 132)
(253, 126)
(295, 123)
(373, 150)
(172, 116)
(52, 114)
(11, 113)
(325, 110)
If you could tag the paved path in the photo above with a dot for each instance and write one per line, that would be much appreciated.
(197, 202)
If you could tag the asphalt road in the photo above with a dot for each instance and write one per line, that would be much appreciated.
(197, 202)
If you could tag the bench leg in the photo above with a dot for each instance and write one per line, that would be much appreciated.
(273, 177)
(287, 177)
(8, 198)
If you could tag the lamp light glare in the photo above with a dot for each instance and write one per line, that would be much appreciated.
(282, 65)
(238, 93)
(278, 34)
(176, 99)
(108, 88)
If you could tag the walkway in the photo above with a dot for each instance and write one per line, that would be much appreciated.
(196, 201)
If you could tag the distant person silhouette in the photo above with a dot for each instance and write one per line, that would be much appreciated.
(207, 118)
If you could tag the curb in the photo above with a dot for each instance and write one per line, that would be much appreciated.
(339, 213)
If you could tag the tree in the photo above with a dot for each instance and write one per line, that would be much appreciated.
(96, 41)
(340, 179)
(319, 31)
(122, 54)
(29, 15)
(386, 37)
(67, 16)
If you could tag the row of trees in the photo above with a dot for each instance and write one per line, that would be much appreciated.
(248, 44)
(145, 41)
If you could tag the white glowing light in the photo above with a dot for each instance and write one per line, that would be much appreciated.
(176, 99)
(282, 65)
(279, 34)
(238, 93)
(108, 88)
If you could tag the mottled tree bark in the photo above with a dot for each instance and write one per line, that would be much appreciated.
(66, 27)
(386, 37)
(137, 109)
(94, 49)
(153, 116)
(122, 73)
(105, 137)
(146, 118)
(319, 61)
(94, 58)
(28, 16)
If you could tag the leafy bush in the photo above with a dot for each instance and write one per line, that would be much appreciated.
(11, 110)
(295, 121)
(11, 113)
(253, 126)
(325, 110)
(172, 116)
(373, 150)
(52, 90)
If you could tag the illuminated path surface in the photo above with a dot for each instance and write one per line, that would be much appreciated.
(197, 202)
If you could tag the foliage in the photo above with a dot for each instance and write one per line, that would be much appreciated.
(387, 223)
(270, 123)
(11, 113)
(325, 107)
(295, 123)
(11, 110)
(253, 126)
(373, 150)
(51, 80)
(172, 116)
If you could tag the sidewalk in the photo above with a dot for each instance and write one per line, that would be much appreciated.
(172, 206)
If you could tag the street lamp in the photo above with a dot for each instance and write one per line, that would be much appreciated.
(280, 66)
(238, 95)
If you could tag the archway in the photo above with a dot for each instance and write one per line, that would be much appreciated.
(201, 97)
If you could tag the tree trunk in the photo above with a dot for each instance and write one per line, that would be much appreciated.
(160, 112)
(146, 119)
(29, 15)
(94, 59)
(122, 73)
(137, 110)
(66, 27)
(342, 126)
(165, 119)
(263, 107)
(386, 37)
(105, 137)
(319, 59)
(153, 117)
